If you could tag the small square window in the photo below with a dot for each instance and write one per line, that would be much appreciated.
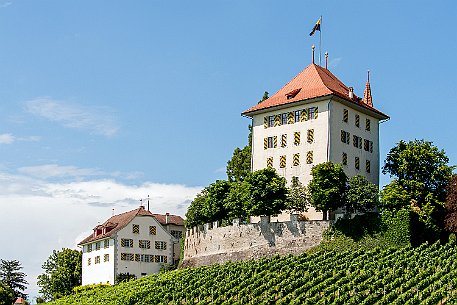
(271, 121)
(284, 119)
(297, 116)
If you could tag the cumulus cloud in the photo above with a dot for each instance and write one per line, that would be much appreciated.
(53, 215)
(98, 120)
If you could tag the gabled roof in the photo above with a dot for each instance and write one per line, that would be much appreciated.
(117, 222)
(314, 81)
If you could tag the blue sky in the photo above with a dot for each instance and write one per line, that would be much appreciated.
(105, 102)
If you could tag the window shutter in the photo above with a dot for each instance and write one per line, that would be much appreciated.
(310, 135)
(265, 143)
(275, 141)
(277, 120)
(304, 115)
(265, 122)
(290, 118)
(316, 112)
(309, 157)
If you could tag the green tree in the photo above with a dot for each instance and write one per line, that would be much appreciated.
(422, 170)
(11, 275)
(62, 272)
(194, 214)
(268, 193)
(362, 196)
(327, 187)
(298, 198)
(237, 200)
(394, 197)
(450, 220)
(7, 295)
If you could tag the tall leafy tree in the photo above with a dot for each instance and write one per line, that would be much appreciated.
(327, 187)
(194, 214)
(11, 276)
(268, 193)
(7, 295)
(450, 220)
(298, 198)
(362, 196)
(422, 170)
(62, 272)
(237, 199)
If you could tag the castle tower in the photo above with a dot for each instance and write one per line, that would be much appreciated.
(316, 118)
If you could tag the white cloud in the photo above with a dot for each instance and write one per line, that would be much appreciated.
(45, 216)
(54, 170)
(6, 138)
(335, 62)
(5, 4)
(99, 120)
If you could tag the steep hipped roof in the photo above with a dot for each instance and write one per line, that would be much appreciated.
(314, 81)
(117, 222)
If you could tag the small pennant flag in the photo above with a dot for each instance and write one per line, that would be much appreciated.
(317, 27)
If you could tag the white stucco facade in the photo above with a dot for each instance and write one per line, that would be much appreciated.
(326, 144)
(124, 253)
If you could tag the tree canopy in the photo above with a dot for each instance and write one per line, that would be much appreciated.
(298, 198)
(62, 272)
(362, 196)
(327, 187)
(421, 173)
(11, 276)
(7, 295)
(450, 220)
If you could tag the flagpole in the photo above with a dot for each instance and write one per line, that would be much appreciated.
(320, 43)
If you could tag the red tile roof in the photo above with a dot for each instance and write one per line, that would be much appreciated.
(117, 222)
(314, 81)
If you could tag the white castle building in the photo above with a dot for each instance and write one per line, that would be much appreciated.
(315, 118)
(137, 243)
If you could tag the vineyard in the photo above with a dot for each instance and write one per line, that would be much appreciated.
(424, 275)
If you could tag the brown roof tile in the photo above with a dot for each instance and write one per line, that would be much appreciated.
(117, 222)
(314, 81)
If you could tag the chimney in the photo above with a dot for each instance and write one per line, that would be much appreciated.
(167, 215)
(351, 93)
(141, 207)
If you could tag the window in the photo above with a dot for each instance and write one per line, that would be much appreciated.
(282, 161)
(88, 262)
(296, 160)
(97, 246)
(345, 115)
(283, 118)
(136, 229)
(144, 244)
(147, 258)
(278, 120)
(97, 259)
(357, 120)
(344, 159)
(367, 124)
(106, 243)
(309, 157)
(270, 162)
(312, 113)
(152, 230)
(161, 245)
(89, 248)
(127, 243)
(176, 234)
(106, 258)
(357, 163)
(310, 135)
(143, 273)
(283, 140)
(345, 136)
(297, 138)
(367, 166)
(357, 141)
(271, 121)
(127, 257)
(297, 116)
(161, 259)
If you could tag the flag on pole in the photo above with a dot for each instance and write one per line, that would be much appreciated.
(317, 27)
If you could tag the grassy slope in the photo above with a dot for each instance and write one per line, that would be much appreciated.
(326, 275)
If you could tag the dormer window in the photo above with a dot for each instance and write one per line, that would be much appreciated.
(292, 94)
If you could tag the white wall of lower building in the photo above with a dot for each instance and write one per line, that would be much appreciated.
(100, 273)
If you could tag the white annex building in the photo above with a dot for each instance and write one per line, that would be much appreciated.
(137, 242)
(315, 118)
